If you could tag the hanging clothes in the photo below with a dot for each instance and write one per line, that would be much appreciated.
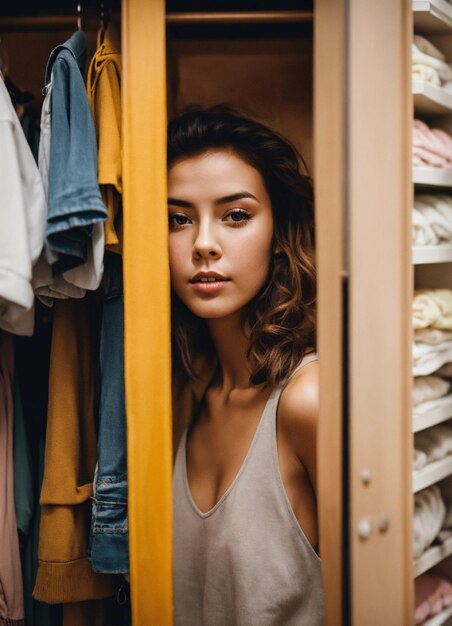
(11, 593)
(109, 538)
(73, 259)
(104, 94)
(75, 204)
(64, 572)
(23, 215)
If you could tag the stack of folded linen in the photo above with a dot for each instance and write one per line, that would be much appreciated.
(429, 64)
(432, 147)
(432, 219)
(432, 323)
(432, 308)
(429, 515)
(432, 348)
(432, 594)
(432, 444)
(428, 390)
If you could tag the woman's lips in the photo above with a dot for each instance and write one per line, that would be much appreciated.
(209, 287)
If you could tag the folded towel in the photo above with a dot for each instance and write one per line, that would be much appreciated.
(427, 388)
(433, 146)
(429, 513)
(432, 307)
(426, 47)
(428, 358)
(432, 595)
(422, 233)
(436, 442)
(432, 336)
(425, 73)
(437, 210)
(419, 459)
(438, 63)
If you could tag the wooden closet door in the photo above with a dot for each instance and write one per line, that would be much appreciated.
(379, 203)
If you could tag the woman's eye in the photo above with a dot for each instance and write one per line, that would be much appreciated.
(178, 220)
(238, 216)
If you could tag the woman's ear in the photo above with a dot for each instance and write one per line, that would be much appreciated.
(277, 249)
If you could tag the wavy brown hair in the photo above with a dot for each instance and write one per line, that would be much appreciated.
(281, 318)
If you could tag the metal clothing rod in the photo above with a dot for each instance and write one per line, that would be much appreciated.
(240, 17)
(52, 22)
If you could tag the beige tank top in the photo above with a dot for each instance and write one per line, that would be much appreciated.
(246, 562)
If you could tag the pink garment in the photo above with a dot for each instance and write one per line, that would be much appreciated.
(432, 595)
(432, 146)
(11, 594)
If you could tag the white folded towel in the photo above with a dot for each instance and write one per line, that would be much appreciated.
(428, 388)
(434, 58)
(422, 234)
(437, 209)
(419, 459)
(436, 442)
(429, 514)
(428, 358)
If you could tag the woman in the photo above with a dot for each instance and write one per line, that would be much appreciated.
(241, 247)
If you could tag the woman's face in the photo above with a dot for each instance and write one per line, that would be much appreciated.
(220, 232)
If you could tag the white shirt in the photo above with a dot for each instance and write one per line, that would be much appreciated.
(22, 221)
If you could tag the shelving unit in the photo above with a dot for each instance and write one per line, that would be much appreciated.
(433, 19)
(435, 415)
(432, 177)
(432, 557)
(440, 619)
(432, 16)
(441, 253)
(432, 473)
(430, 99)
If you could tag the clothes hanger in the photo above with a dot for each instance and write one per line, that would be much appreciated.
(105, 16)
(79, 16)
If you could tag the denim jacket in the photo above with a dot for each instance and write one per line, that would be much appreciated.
(75, 203)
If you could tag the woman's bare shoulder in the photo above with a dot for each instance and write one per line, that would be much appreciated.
(298, 414)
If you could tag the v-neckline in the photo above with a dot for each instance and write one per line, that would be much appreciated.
(239, 472)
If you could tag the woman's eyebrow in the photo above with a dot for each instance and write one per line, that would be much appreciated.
(182, 203)
(235, 196)
(224, 200)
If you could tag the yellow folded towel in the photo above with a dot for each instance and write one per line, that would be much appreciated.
(432, 307)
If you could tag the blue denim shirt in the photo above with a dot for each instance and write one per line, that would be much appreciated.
(75, 202)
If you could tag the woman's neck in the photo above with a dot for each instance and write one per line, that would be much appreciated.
(231, 345)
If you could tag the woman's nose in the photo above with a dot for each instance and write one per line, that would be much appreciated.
(206, 244)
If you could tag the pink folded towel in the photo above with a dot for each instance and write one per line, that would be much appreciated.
(432, 595)
(432, 146)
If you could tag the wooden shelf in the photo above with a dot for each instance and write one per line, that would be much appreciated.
(440, 619)
(432, 557)
(434, 416)
(432, 177)
(432, 16)
(430, 99)
(441, 253)
(432, 473)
